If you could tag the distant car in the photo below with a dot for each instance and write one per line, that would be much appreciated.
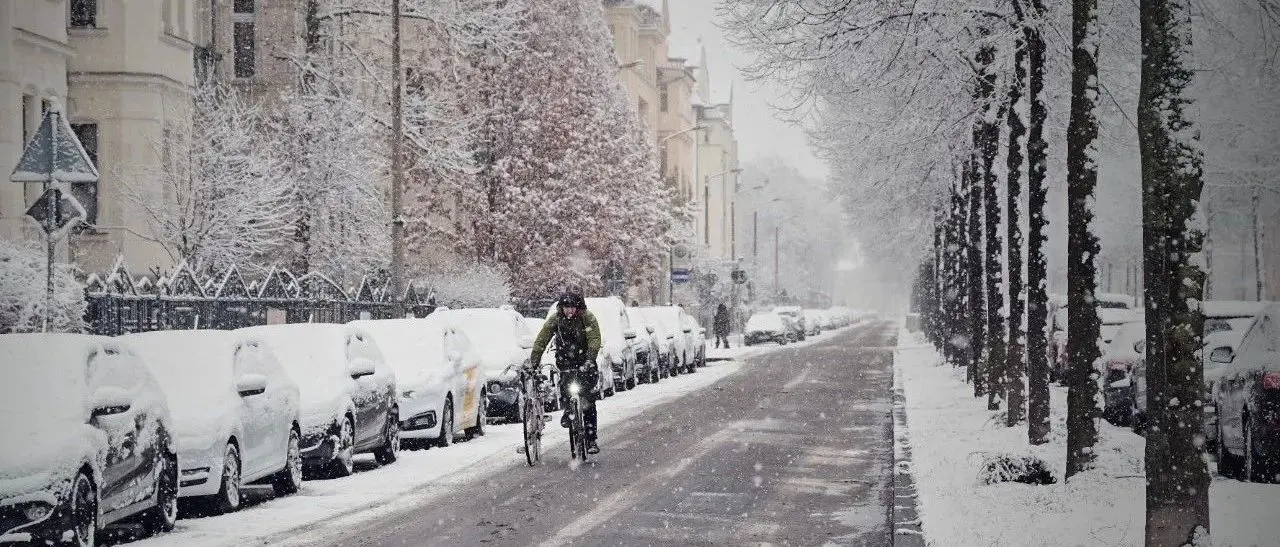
(813, 319)
(347, 392)
(236, 417)
(441, 393)
(1115, 301)
(1248, 402)
(1225, 323)
(673, 321)
(85, 440)
(794, 315)
(657, 355)
(766, 327)
(1120, 359)
(502, 340)
(617, 337)
(698, 339)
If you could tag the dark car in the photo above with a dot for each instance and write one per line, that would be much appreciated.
(346, 390)
(86, 440)
(1248, 402)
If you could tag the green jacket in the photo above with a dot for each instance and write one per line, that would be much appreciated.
(581, 327)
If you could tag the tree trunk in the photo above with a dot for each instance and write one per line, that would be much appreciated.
(976, 304)
(1015, 365)
(1082, 245)
(988, 145)
(957, 292)
(1037, 270)
(1177, 475)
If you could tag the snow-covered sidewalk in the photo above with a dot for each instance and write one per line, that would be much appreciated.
(950, 432)
(327, 505)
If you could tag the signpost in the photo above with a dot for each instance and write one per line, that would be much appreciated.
(54, 157)
(680, 275)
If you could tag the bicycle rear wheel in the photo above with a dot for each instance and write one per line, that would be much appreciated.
(578, 430)
(532, 432)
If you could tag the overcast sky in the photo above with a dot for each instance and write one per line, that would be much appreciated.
(758, 131)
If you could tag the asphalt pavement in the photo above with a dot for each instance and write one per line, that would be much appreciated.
(795, 449)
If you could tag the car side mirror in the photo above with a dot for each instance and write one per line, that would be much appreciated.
(648, 329)
(361, 368)
(251, 384)
(688, 330)
(526, 342)
(1222, 355)
(109, 401)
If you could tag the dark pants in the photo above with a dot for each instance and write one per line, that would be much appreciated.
(724, 337)
(587, 394)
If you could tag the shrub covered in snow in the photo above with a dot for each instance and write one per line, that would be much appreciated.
(22, 288)
(998, 468)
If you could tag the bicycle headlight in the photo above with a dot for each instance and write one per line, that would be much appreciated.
(574, 388)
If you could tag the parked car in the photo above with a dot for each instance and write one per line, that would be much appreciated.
(616, 339)
(674, 321)
(502, 340)
(794, 315)
(1115, 301)
(347, 393)
(441, 392)
(813, 319)
(85, 440)
(697, 339)
(657, 353)
(1248, 402)
(1225, 323)
(1121, 357)
(236, 418)
(766, 327)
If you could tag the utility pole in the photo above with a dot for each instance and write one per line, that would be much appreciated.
(1257, 247)
(775, 261)
(397, 165)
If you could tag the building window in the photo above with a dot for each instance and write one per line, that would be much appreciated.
(662, 97)
(28, 118)
(244, 48)
(84, 14)
(87, 192)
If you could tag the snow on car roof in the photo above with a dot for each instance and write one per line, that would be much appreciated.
(1118, 316)
(413, 347)
(193, 367)
(765, 321)
(1232, 308)
(45, 377)
(314, 354)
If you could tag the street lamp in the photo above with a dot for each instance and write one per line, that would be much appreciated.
(633, 64)
(681, 132)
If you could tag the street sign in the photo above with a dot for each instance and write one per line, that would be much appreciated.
(54, 150)
(680, 275)
(65, 208)
(739, 276)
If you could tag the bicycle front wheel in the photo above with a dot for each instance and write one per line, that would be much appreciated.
(532, 432)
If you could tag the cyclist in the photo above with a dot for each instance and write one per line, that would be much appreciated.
(577, 336)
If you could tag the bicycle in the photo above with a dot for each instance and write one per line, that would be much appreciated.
(577, 424)
(534, 389)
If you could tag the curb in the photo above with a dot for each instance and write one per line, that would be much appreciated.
(903, 514)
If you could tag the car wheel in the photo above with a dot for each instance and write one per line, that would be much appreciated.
(390, 449)
(1255, 469)
(654, 376)
(289, 480)
(227, 500)
(1228, 465)
(164, 516)
(343, 464)
(482, 414)
(84, 513)
(446, 425)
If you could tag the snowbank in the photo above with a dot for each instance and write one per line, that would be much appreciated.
(951, 433)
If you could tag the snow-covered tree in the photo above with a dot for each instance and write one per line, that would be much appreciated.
(223, 198)
(22, 292)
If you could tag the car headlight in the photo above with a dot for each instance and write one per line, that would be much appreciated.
(37, 511)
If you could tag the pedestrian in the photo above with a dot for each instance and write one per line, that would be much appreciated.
(722, 326)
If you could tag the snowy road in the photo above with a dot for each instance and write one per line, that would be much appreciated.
(793, 449)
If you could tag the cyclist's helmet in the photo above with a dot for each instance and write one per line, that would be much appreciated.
(572, 298)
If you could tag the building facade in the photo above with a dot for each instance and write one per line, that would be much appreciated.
(717, 168)
(120, 69)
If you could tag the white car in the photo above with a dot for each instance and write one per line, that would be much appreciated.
(766, 327)
(235, 412)
(814, 319)
(697, 339)
(661, 342)
(502, 341)
(673, 321)
(85, 440)
(346, 391)
(438, 376)
(796, 316)
(616, 340)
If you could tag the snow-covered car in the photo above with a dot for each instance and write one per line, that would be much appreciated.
(794, 317)
(85, 440)
(1248, 402)
(1115, 301)
(672, 319)
(437, 372)
(766, 327)
(1224, 326)
(813, 318)
(1118, 370)
(661, 343)
(697, 339)
(502, 341)
(235, 412)
(616, 340)
(346, 391)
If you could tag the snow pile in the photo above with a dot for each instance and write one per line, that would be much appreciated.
(22, 292)
(954, 439)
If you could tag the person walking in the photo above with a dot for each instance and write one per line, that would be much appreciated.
(721, 326)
